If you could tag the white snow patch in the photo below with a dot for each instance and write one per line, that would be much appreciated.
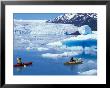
(69, 15)
(30, 21)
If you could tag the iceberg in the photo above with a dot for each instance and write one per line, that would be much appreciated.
(80, 40)
(90, 72)
(72, 48)
(87, 65)
(84, 30)
(91, 50)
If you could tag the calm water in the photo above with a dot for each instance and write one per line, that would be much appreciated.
(36, 36)
(48, 66)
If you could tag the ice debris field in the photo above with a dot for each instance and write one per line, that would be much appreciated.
(42, 36)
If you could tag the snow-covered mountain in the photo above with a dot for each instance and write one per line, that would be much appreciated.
(78, 19)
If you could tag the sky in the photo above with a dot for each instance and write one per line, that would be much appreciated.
(35, 16)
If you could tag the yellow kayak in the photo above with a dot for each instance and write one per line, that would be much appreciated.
(75, 62)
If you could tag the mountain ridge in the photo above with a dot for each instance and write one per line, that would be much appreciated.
(78, 19)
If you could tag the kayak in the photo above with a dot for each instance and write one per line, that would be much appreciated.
(24, 64)
(70, 63)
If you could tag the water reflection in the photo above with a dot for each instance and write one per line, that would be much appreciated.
(72, 68)
(19, 69)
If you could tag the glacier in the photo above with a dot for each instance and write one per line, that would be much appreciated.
(34, 33)
(42, 36)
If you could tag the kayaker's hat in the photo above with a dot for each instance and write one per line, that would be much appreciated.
(18, 58)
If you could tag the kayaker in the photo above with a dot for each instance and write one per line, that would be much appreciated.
(19, 61)
(72, 60)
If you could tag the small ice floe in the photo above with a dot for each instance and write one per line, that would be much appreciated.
(24, 66)
(28, 48)
(42, 49)
(73, 48)
(73, 40)
(91, 62)
(91, 50)
(90, 72)
(55, 44)
(65, 54)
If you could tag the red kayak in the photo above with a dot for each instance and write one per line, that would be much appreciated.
(19, 65)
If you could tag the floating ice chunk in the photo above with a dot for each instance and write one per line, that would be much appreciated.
(87, 65)
(56, 44)
(28, 48)
(94, 32)
(65, 54)
(90, 72)
(50, 55)
(91, 50)
(61, 44)
(61, 47)
(42, 49)
(85, 30)
(91, 62)
(73, 48)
